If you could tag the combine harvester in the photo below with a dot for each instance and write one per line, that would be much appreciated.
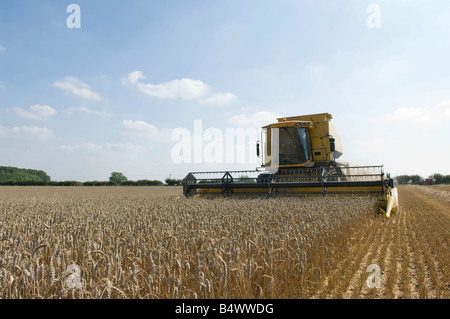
(300, 154)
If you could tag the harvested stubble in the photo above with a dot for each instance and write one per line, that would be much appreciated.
(148, 242)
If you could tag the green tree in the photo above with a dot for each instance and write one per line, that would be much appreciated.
(446, 179)
(416, 179)
(403, 179)
(14, 174)
(118, 178)
(173, 182)
(438, 178)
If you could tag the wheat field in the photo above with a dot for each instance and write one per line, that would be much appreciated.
(150, 242)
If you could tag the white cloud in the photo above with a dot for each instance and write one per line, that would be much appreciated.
(36, 112)
(133, 77)
(255, 120)
(436, 114)
(186, 89)
(76, 87)
(118, 148)
(139, 128)
(401, 139)
(87, 110)
(41, 133)
(219, 99)
(2, 49)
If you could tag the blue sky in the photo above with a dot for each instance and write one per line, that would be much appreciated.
(80, 103)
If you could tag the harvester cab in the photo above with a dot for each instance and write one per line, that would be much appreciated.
(299, 158)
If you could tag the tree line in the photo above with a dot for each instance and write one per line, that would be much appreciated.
(117, 178)
(143, 182)
(12, 176)
(416, 179)
(29, 177)
(8, 173)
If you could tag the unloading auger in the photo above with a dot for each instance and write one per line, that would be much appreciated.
(299, 159)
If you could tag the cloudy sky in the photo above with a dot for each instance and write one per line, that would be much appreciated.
(110, 85)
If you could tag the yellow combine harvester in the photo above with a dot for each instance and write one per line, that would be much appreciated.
(299, 159)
